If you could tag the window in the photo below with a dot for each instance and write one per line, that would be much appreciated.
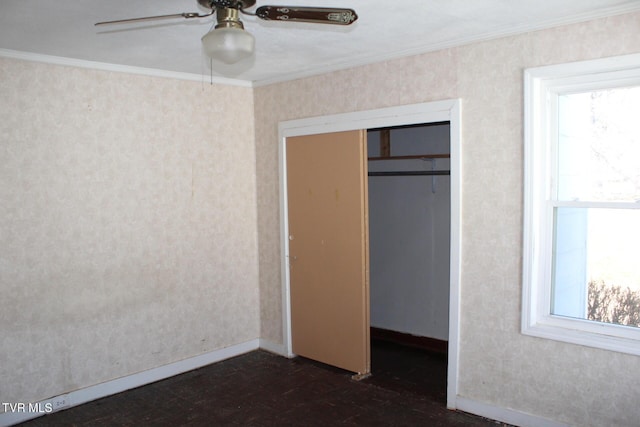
(581, 266)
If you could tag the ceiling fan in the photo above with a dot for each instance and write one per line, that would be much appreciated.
(229, 42)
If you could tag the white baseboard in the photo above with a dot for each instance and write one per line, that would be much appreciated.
(272, 347)
(504, 415)
(119, 385)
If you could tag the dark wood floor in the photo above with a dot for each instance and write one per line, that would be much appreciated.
(407, 388)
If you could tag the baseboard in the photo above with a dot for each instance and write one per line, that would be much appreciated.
(272, 347)
(119, 385)
(504, 415)
(403, 338)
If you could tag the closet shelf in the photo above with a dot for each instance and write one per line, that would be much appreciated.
(417, 156)
(410, 173)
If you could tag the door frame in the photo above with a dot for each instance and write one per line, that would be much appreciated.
(423, 113)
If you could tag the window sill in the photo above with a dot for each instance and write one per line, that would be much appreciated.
(622, 339)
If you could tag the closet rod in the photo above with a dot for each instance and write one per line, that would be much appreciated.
(409, 173)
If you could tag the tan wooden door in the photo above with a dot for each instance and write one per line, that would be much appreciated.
(328, 247)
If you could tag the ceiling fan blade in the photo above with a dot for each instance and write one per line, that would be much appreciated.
(317, 15)
(186, 15)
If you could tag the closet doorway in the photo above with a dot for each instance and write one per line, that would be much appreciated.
(409, 222)
(402, 116)
(409, 189)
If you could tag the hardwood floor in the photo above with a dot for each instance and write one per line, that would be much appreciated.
(407, 388)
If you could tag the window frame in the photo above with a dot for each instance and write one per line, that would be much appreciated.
(542, 86)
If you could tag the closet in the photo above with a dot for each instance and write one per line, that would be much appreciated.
(409, 229)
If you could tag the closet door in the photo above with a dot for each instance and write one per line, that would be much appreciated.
(328, 247)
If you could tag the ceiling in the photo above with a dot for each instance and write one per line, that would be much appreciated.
(284, 50)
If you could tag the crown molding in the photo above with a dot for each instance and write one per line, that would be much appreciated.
(103, 66)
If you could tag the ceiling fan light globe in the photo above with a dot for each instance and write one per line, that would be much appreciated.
(229, 45)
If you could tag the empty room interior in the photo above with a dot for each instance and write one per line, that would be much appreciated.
(334, 211)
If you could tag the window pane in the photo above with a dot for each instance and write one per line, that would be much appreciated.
(596, 270)
(569, 297)
(599, 145)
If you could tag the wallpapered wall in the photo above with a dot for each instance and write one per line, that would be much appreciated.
(127, 225)
(498, 365)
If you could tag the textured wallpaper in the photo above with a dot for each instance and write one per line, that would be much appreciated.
(127, 222)
(498, 366)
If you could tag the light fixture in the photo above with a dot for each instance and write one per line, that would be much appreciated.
(228, 41)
